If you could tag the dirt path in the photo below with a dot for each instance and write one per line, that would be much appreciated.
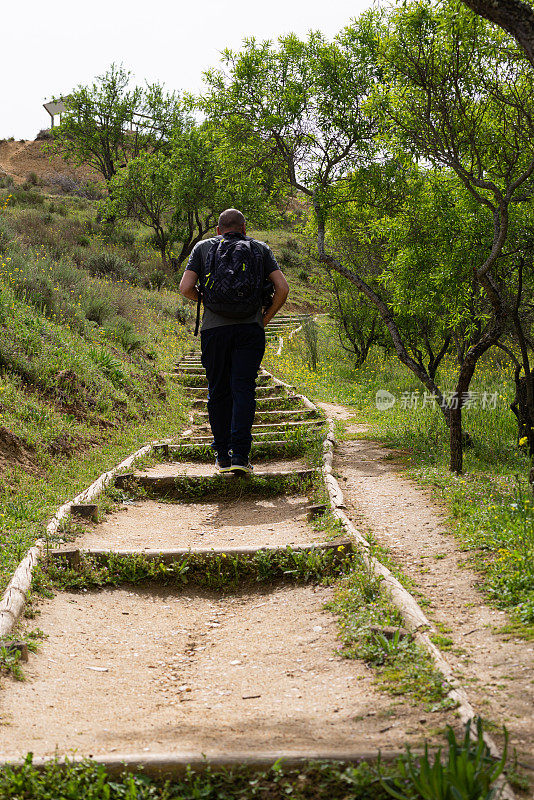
(147, 669)
(497, 668)
(152, 670)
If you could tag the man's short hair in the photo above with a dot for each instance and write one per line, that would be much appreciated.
(231, 220)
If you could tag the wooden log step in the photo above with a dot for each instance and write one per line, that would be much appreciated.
(341, 548)
(167, 483)
(264, 435)
(200, 402)
(201, 380)
(173, 766)
(203, 449)
(261, 439)
(266, 389)
(276, 414)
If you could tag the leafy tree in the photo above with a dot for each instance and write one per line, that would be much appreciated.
(513, 16)
(357, 322)
(459, 94)
(180, 193)
(309, 102)
(107, 124)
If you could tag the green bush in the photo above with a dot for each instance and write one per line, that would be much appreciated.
(290, 258)
(106, 263)
(124, 333)
(109, 366)
(21, 197)
(38, 292)
(97, 308)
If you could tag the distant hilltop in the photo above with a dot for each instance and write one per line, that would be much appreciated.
(21, 159)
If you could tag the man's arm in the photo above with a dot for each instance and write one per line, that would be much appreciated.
(281, 291)
(188, 285)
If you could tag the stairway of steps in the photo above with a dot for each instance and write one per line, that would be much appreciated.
(168, 638)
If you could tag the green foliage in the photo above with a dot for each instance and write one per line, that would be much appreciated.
(490, 508)
(111, 367)
(10, 663)
(180, 193)
(105, 263)
(402, 666)
(216, 572)
(311, 781)
(95, 128)
(468, 773)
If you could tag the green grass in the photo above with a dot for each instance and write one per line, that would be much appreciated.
(81, 357)
(490, 506)
(401, 666)
(29, 501)
(191, 489)
(313, 781)
(217, 572)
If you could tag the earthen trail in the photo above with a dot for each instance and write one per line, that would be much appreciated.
(497, 667)
(181, 671)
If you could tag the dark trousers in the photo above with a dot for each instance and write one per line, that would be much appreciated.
(231, 356)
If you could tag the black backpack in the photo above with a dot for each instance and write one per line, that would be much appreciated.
(232, 280)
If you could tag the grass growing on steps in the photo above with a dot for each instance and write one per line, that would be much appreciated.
(312, 781)
(191, 488)
(217, 572)
(401, 666)
(490, 507)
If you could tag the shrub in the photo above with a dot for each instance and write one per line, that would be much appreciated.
(97, 308)
(44, 135)
(155, 280)
(38, 292)
(33, 179)
(21, 197)
(5, 240)
(106, 263)
(69, 185)
(124, 333)
(290, 258)
(292, 244)
(109, 366)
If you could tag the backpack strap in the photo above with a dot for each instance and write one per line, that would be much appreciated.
(199, 303)
(209, 256)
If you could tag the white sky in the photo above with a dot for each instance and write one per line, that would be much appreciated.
(49, 48)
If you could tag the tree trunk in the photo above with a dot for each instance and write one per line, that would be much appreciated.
(456, 441)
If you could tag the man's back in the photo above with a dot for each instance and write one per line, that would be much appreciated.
(197, 263)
